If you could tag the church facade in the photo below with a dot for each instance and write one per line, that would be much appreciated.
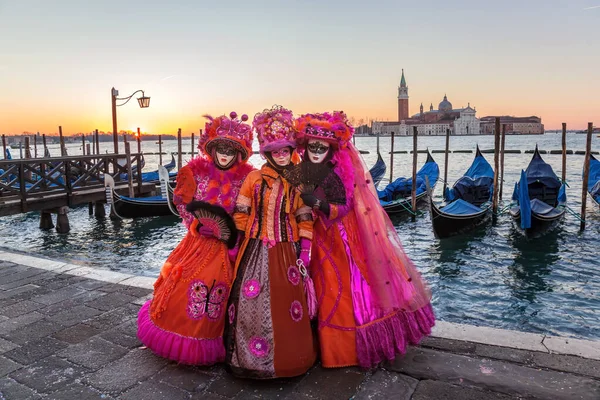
(460, 121)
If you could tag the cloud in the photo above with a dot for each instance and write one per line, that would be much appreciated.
(591, 8)
(167, 77)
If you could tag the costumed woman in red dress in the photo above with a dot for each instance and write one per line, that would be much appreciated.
(269, 333)
(372, 302)
(184, 320)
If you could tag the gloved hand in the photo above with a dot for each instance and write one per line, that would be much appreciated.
(205, 231)
(305, 251)
(309, 199)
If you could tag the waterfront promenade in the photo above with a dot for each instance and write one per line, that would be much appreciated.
(69, 332)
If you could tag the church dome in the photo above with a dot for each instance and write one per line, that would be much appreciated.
(445, 105)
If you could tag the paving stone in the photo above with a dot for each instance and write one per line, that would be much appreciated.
(427, 390)
(20, 308)
(14, 269)
(136, 366)
(111, 301)
(504, 353)
(79, 392)
(76, 334)
(115, 317)
(11, 389)
(48, 375)
(7, 366)
(13, 277)
(186, 378)
(339, 383)
(154, 391)
(90, 284)
(495, 376)
(75, 315)
(208, 396)
(33, 331)
(72, 302)
(387, 385)
(454, 346)
(6, 264)
(33, 279)
(6, 345)
(93, 353)
(16, 293)
(36, 350)
(59, 295)
(110, 288)
(142, 300)
(135, 291)
(574, 364)
(7, 302)
(122, 339)
(19, 322)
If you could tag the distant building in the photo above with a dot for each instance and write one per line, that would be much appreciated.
(514, 125)
(460, 121)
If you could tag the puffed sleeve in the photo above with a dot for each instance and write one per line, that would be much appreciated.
(184, 193)
(304, 217)
(243, 204)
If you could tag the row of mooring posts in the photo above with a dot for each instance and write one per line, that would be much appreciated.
(499, 151)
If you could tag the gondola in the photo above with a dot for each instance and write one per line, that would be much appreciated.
(153, 176)
(396, 197)
(594, 180)
(468, 202)
(540, 198)
(128, 207)
(377, 171)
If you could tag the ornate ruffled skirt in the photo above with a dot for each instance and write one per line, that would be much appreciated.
(352, 330)
(269, 333)
(185, 319)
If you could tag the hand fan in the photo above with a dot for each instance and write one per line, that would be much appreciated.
(215, 220)
(306, 176)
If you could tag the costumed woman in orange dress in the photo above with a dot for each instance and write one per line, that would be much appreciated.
(184, 320)
(372, 302)
(269, 333)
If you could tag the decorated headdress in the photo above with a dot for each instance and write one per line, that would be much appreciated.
(230, 130)
(331, 127)
(275, 129)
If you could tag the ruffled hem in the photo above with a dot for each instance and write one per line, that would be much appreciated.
(388, 337)
(171, 345)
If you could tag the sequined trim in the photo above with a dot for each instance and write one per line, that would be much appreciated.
(304, 217)
(303, 210)
(242, 209)
(305, 234)
(244, 201)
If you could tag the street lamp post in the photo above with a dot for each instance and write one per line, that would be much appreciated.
(143, 101)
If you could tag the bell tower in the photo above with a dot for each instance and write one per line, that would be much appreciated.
(402, 99)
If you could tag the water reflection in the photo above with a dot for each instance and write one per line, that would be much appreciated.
(453, 252)
(533, 262)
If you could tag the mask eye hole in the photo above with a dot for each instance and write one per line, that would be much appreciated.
(281, 153)
(226, 150)
(317, 148)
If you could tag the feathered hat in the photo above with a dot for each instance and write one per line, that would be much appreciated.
(331, 127)
(275, 129)
(235, 132)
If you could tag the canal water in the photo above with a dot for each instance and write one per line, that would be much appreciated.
(492, 277)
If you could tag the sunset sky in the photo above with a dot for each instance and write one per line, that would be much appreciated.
(59, 59)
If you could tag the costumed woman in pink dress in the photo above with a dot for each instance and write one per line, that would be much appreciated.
(269, 333)
(372, 302)
(184, 320)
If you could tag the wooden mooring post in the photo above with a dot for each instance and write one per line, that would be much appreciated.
(160, 149)
(4, 147)
(46, 152)
(35, 145)
(446, 161)
(586, 174)
(502, 144)
(391, 157)
(414, 175)
(564, 152)
(179, 153)
(63, 149)
(139, 141)
(129, 169)
(496, 168)
(83, 143)
(193, 142)
(97, 142)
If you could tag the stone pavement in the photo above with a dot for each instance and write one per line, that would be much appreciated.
(64, 334)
